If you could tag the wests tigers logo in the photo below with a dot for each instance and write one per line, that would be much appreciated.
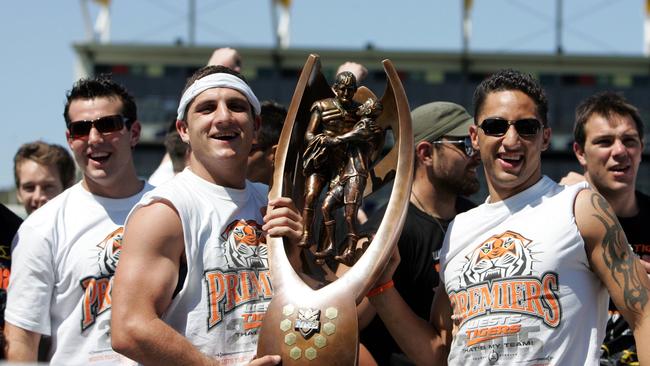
(246, 244)
(498, 278)
(500, 256)
(97, 289)
(245, 281)
(110, 254)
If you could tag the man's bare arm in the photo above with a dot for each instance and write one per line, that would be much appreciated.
(425, 343)
(143, 287)
(646, 265)
(22, 344)
(314, 122)
(144, 282)
(614, 262)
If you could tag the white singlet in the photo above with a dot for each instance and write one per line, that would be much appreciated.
(228, 286)
(519, 281)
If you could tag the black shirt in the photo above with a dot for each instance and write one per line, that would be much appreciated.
(415, 277)
(9, 223)
(636, 227)
(618, 336)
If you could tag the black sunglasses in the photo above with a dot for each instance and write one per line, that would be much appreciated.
(106, 124)
(525, 127)
(465, 145)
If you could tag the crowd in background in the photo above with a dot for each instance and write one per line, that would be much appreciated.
(62, 283)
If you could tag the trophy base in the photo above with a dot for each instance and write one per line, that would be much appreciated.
(305, 332)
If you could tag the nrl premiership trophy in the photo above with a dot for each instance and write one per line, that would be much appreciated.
(329, 157)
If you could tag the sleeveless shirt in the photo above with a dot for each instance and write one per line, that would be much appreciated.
(227, 289)
(520, 284)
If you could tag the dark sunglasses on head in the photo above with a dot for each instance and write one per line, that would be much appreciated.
(499, 126)
(464, 145)
(106, 124)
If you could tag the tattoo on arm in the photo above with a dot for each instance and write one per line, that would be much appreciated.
(619, 257)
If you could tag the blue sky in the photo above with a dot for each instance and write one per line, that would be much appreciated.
(37, 58)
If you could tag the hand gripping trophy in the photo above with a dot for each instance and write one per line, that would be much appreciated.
(331, 142)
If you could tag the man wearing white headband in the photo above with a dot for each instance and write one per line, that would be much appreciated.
(193, 282)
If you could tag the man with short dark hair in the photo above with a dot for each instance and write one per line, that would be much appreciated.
(445, 171)
(65, 253)
(170, 165)
(525, 275)
(609, 143)
(201, 237)
(41, 172)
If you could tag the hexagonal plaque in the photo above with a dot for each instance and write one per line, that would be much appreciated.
(310, 353)
(290, 339)
(329, 328)
(295, 353)
(320, 341)
(331, 313)
(288, 309)
(285, 325)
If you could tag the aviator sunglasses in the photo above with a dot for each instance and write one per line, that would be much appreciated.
(106, 124)
(525, 127)
(464, 145)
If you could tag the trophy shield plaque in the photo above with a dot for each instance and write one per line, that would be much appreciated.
(314, 322)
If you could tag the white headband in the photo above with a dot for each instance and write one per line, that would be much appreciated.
(218, 80)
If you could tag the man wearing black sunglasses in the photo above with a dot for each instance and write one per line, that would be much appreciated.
(525, 275)
(445, 171)
(66, 252)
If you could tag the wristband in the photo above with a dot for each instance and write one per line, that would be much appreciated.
(381, 288)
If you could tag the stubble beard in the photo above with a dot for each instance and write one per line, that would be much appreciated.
(461, 186)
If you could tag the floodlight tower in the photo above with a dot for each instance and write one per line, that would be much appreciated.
(101, 31)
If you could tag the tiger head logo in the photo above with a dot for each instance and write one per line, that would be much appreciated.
(109, 254)
(245, 244)
(501, 256)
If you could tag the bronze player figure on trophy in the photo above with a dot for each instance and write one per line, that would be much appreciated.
(312, 318)
(347, 186)
(335, 156)
(331, 117)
